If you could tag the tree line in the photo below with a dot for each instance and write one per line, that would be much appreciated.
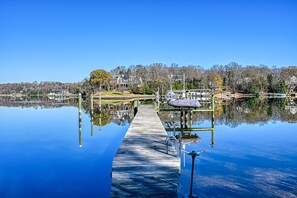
(233, 77)
(147, 79)
(38, 88)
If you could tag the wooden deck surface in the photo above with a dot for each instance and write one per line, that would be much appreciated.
(141, 167)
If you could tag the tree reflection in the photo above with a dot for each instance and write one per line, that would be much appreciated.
(236, 112)
(102, 118)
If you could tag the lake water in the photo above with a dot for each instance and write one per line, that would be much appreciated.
(42, 155)
(46, 152)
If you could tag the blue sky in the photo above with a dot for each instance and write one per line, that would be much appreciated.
(64, 40)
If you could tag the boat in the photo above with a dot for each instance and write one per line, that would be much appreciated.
(281, 95)
(184, 103)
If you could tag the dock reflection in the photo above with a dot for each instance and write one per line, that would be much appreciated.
(183, 133)
(102, 113)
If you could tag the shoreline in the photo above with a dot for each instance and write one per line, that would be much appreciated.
(226, 96)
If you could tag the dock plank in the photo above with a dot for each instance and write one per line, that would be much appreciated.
(141, 167)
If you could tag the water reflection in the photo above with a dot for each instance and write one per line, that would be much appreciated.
(292, 107)
(230, 112)
(187, 134)
(247, 157)
(103, 113)
(237, 112)
(37, 102)
(185, 125)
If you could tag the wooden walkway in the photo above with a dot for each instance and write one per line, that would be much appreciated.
(141, 167)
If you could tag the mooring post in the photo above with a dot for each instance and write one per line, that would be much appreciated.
(92, 115)
(100, 99)
(79, 121)
(190, 119)
(92, 127)
(92, 103)
(100, 121)
(186, 118)
(79, 102)
(212, 119)
(212, 126)
(212, 138)
(180, 143)
(181, 118)
(213, 100)
(135, 105)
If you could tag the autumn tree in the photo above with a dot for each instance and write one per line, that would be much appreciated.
(218, 82)
(100, 77)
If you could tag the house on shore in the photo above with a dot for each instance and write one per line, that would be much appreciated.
(124, 82)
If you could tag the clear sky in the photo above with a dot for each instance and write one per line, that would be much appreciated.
(64, 40)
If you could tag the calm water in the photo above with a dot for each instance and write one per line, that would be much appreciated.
(42, 154)
(254, 152)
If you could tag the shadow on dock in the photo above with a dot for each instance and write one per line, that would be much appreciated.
(141, 167)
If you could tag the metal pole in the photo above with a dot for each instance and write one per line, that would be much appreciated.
(193, 154)
(192, 174)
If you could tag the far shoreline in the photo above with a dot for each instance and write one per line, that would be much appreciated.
(226, 96)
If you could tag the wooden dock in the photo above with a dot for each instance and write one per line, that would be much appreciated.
(141, 167)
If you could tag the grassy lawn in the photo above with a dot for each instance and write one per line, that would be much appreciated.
(115, 94)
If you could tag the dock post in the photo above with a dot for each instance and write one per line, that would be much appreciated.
(92, 103)
(212, 126)
(100, 103)
(212, 138)
(79, 121)
(212, 101)
(186, 118)
(100, 99)
(212, 119)
(92, 115)
(79, 101)
(181, 119)
(135, 106)
(159, 106)
(190, 119)
(180, 144)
